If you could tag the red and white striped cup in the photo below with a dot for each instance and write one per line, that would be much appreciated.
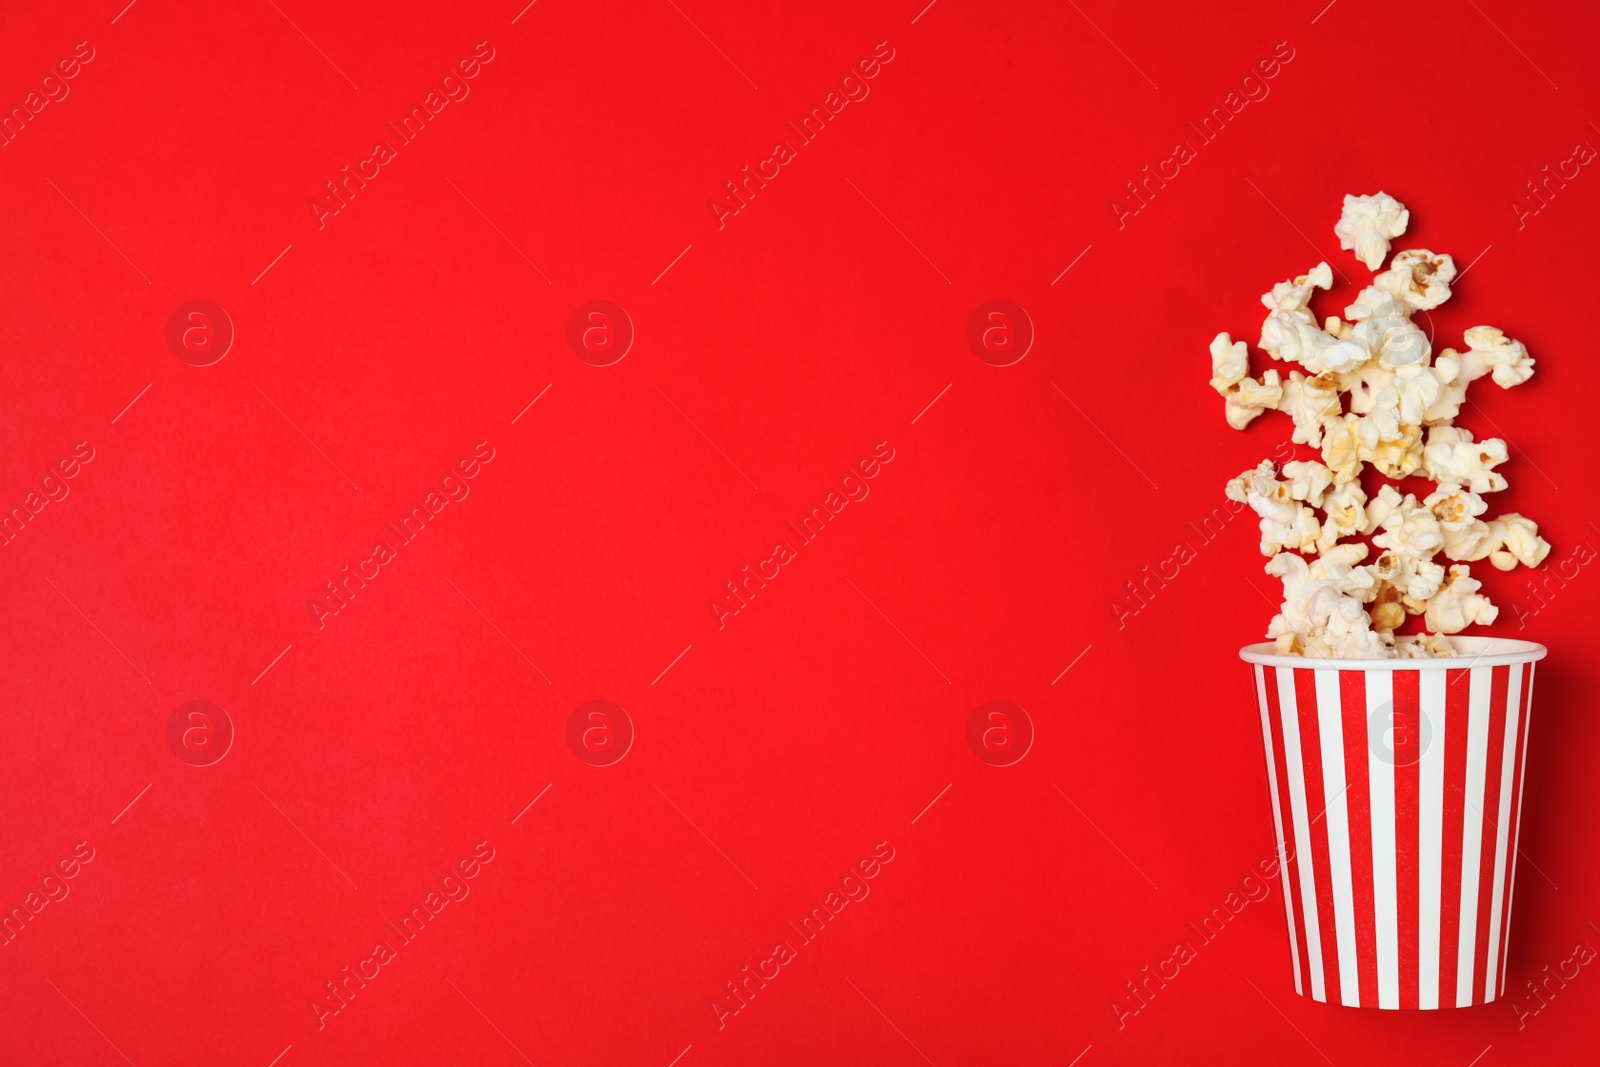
(1399, 783)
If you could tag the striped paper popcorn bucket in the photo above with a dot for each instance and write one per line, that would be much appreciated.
(1399, 784)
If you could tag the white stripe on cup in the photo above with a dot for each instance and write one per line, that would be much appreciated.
(1385, 892)
(1508, 762)
(1277, 823)
(1331, 732)
(1481, 680)
(1522, 783)
(1294, 760)
(1430, 836)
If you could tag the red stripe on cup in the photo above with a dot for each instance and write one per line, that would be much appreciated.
(1516, 817)
(1490, 804)
(1358, 802)
(1406, 727)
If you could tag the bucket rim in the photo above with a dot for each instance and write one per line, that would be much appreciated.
(1470, 652)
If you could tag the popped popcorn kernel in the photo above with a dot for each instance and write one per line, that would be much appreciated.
(1419, 277)
(1367, 225)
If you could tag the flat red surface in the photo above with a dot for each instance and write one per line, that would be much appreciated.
(770, 757)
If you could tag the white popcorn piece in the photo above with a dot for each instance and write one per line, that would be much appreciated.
(1410, 530)
(1506, 359)
(1452, 457)
(1345, 508)
(1295, 294)
(1250, 398)
(1458, 604)
(1367, 225)
(1516, 540)
(1416, 579)
(1423, 646)
(1285, 522)
(1396, 452)
(1309, 400)
(1230, 362)
(1379, 507)
(1341, 447)
(1418, 277)
(1308, 481)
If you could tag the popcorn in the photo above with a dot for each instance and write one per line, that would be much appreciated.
(1458, 604)
(1402, 402)
(1418, 277)
(1508, 360)
(1367, 225)
(1285, 523)
(1519, 540)
(1309, 400)
(1452, 457)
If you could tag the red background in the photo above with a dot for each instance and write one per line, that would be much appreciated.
(820, 320)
